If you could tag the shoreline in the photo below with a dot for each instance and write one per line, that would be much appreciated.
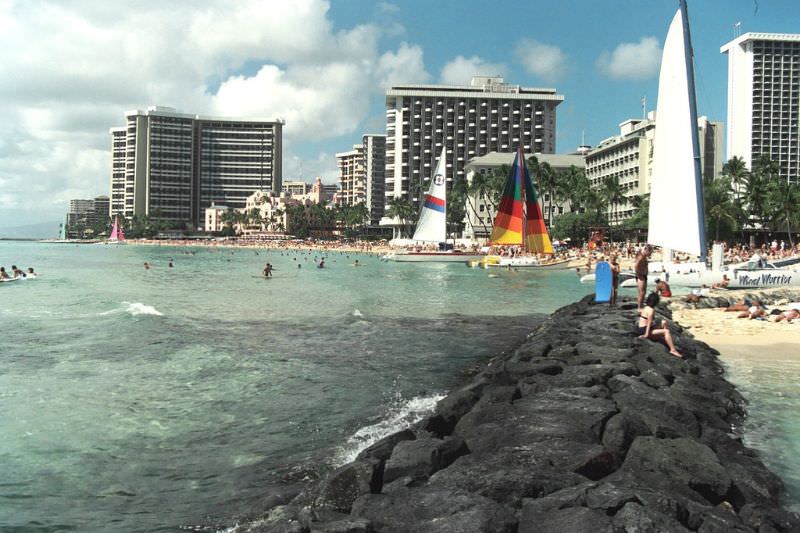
(584, 427)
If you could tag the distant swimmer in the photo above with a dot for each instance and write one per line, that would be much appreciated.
(146, 265)
(299, 265)
(321, 263)
(31, 273)
(170, 264)
(17, 272)
(3, 273)
(267, 270)
(357, 264)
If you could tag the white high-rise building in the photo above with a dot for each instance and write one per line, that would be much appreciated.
(488, 115)
(763, 99)
(628, 158)
(362, 175)
(174, 165)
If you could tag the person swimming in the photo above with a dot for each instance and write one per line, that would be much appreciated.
(321, 263)
(3, 273)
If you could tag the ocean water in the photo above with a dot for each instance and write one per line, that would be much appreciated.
(154, 400)
(187, 397)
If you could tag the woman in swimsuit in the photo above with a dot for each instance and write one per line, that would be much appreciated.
(646, 329)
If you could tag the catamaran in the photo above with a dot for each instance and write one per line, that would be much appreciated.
(676, 193)
(117, 233)
(432, 225)
(519, 222)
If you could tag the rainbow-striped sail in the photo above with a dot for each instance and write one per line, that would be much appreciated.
(508, 223)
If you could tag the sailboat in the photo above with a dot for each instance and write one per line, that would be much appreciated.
(117, 233)
(519, 221)
(432, 224)
(676, 193)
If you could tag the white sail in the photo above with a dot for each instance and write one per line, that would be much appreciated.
(432, 224)
(676, 194)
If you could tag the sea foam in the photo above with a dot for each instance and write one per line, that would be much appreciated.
(134, 309)
(398, 417)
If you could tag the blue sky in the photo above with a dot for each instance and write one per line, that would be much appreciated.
(70, 70)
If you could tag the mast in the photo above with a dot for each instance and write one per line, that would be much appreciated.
(688, 51)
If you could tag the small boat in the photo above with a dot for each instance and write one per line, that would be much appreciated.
(117, 234)
(432, 226)
(519, 222)
(624, 276)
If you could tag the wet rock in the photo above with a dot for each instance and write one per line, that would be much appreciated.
(420, 458)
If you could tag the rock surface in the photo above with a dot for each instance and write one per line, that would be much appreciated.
(584, 427)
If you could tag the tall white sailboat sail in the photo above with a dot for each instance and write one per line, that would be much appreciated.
(676, 192)
(432, 224)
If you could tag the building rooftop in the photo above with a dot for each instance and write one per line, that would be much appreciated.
(164, 111)
(507, 158)
(755, 36)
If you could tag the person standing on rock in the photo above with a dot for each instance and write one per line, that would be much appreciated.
(614, 278)
(640, 267)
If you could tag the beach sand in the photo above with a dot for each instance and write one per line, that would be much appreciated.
(739, 337)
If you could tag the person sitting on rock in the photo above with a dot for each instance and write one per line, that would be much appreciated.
(722, 284)
(646, 328)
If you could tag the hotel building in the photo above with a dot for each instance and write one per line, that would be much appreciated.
(362, 175)
(173, 165)
(628, 157)
(488, 115)
(763, 99)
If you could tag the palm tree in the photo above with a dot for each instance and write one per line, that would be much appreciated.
(736, 171)
(758, 184)
(548, 181)
(720, 210)
(401, 209)
(481, 186)
(783, 204)
(612, 194)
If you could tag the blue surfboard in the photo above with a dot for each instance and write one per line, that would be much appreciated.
(602, 282)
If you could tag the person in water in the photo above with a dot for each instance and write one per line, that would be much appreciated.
(17, 272)
(146, 265)
(646, 328)
(321, 263)
(3, 273)
(31, 273)
(267, 270)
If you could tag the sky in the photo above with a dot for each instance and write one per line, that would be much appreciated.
(70, 69)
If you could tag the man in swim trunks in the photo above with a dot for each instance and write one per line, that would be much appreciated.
(640, 267)
(614, 278)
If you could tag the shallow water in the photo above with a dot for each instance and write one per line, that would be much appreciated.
(144, 400)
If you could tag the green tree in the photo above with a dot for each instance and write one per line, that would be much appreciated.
(736, 171)
(758, 184)
(401, 209)
(783, 206)
(721, 212)
(456, 206)
(612, 195)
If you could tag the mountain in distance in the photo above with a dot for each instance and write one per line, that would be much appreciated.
(42, 230)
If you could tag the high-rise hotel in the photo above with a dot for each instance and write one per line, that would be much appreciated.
(469, 121)
(763, 99)
(362, 175)
(173, 165)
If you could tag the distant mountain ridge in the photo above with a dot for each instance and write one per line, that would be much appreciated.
(42, 230)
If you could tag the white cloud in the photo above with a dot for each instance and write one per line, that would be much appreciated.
(632, 61)
(544, 60)
(406, 65)
(70, 70)
(460, 70)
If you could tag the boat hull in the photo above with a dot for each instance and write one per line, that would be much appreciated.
(758, 278)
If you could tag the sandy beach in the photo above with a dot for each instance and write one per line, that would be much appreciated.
(741, 337)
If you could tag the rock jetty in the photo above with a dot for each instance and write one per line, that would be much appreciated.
(583, 428)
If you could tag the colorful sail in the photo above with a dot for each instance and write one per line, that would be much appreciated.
(114, 232)
(121, 234)
(536, 237)
(507, 227)
(432, 224)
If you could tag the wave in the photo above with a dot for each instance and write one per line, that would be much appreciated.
(399, 416)
(358, 313)
(134, 309)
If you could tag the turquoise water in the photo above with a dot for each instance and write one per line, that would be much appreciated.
(146, 400)
(170, 398)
